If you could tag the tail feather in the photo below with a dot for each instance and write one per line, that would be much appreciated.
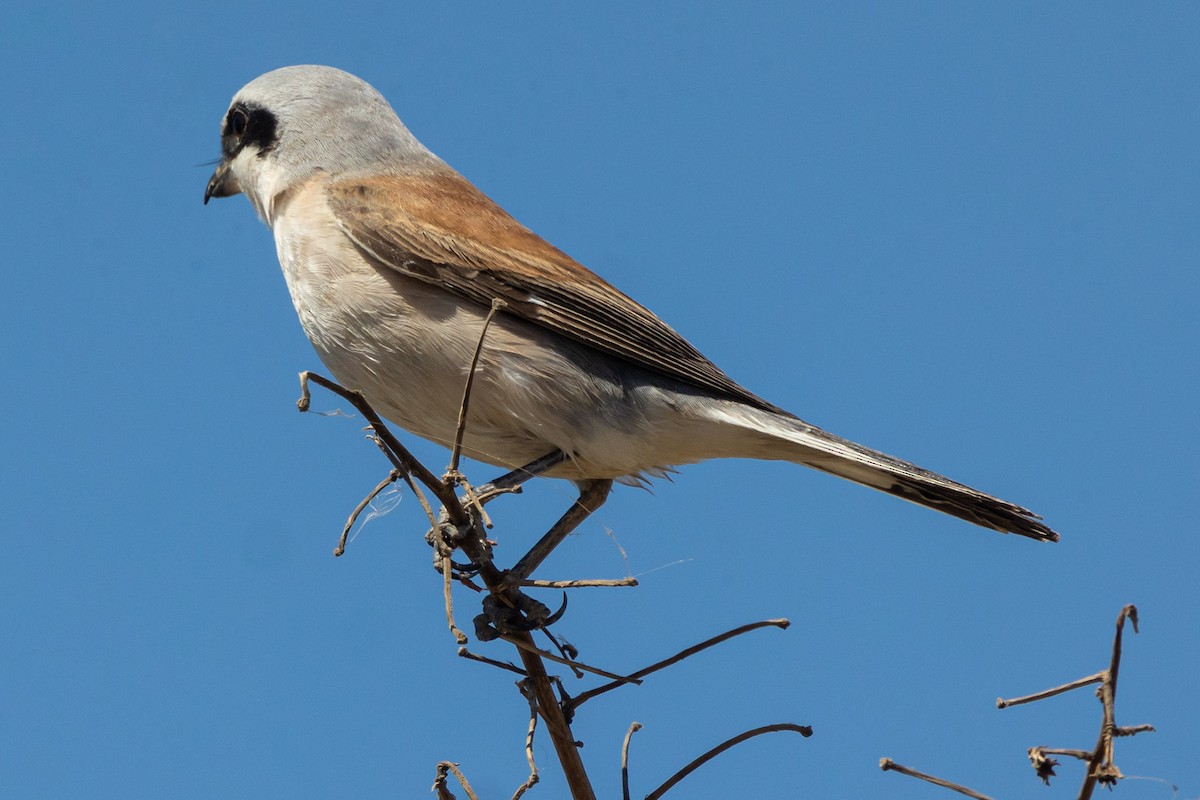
(791, 439)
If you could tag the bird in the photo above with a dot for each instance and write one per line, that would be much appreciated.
(394, 262)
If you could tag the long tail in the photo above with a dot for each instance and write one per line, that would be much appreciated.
(786, 438)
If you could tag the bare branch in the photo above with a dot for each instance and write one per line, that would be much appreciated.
(1101, 766)
(456, 450)
(636, 726)
(397, 453)
(366, 501)
(1066, 687)
(408, 479)
(533, 649)
(803, 730)
(439, 782)
(459, 636)
(467, 654)
(477, 550)
(588, 695)
(577, 584)
(1082, 755)
(532, 780)
(887, 764)
(1133, 730)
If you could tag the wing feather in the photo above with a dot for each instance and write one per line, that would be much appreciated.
(440, 229)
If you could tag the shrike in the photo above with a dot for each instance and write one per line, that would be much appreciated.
(393, 260)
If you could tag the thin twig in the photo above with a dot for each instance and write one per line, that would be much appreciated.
(1101, 765)
(439, 782)
(1066, 687)
(1133, 730)
(467, 654)
(461, 429)
(803, 730)
(366, 501)
(497, 583)
(1082, 755)
(636, 726)
(563, 650)
(532, 780)
(588, 695)
(397, 453)
(577, 584)
(529, 647)
(408, 479)
(459, 636)
(886, 764)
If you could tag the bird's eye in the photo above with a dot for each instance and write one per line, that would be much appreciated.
(237, 122)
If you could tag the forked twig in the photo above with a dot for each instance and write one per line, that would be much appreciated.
(358, 509)
(470, 540)
(1101, 764)
(803, 730)
(886, 764)
(439, 782)
(397, 453)
(583, 697)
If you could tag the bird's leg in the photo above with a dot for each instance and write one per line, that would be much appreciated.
(592, 494)
(511, 482)
(474, 500)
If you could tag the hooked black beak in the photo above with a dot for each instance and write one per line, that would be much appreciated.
(221, 184)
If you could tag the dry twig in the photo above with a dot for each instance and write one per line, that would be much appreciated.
(636, 726)
(576, 702)
(366, 501)
(467, 654)
(461, 428)
(532, 780)
(577, 584)
(803, 730)
(439, 781)
(1102, 766)
(472, 542)
(887, 764)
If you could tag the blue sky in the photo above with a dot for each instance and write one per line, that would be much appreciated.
(962, 233)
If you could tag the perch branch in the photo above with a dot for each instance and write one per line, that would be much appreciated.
(476, 549)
